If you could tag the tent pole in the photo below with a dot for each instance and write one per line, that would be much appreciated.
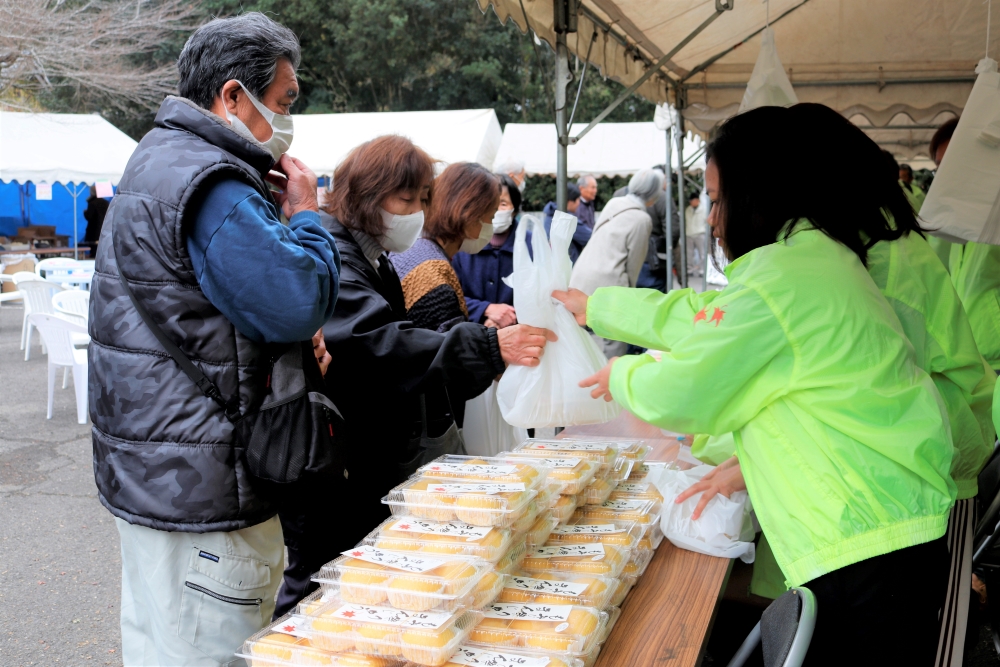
(669, 223)
(562, 129)
(679, 135)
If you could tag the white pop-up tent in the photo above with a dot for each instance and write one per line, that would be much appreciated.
(61, 148)
(610, 149)
(322, 141)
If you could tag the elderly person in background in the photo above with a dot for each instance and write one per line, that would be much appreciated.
(618, 247)
(588, 193)
(694, 226)
(489, 299)
(515, 170)
(191, 231)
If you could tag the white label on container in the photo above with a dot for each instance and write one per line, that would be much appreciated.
(569, 446)
(449, 528)
(466, 655)
(595, 549)
(625, 505)
(632, 487)
(388, 616)
(399, 561)
(486, 488)
(293, 626)
(550, 586)
(560, 463)
(469, 469)
(587, 529)
(528, 612)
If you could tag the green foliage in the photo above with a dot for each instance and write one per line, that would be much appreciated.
(540, 190)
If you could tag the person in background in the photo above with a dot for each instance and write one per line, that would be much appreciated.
(192, 235)
(489, 299)
(515, 170)
(654, 270)
(619, 245)
(694, 221)
(913, 192)
(582, 234)
(938, 146)
(386, 367)
(97, 208)
(842, 440)
(585, 212)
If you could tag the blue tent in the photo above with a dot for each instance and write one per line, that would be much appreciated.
(20, 208)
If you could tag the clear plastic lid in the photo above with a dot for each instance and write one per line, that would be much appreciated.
(479, 656)
(652, 539)
(484, 469)
(540, 530)
(559, 588)
(637, 564)
(427, 637)
(437, 539)
(615, 532)
(602, 452)
(648, 471)
(637, 450)
(564, 506)
(572, 473)
(625, 585)
(512, 558)
(404, 579)
(478, 503)
(286, 643)
(565, 629)
(645, 512)
(587, 558)
(628, 490)
(599, 490)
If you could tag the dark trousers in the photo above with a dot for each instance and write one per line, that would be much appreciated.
(881, 611)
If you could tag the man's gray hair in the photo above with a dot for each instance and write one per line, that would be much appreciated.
(247, 48)
(646, 184)
(585, 179)
(510, 166)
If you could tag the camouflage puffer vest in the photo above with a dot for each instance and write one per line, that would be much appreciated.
(164, 453)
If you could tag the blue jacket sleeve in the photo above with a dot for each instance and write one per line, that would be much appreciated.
(469, 278)
(276, 284)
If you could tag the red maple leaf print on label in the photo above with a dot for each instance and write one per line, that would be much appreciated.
(404, 526)
(357, 553)
(717, 316)
(348, 614)
(700, 316)
(289, 628)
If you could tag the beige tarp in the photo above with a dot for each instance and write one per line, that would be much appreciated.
(900, 66)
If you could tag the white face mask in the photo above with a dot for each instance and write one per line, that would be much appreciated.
(281, 126)
(401, 231)
(502, 221)
(472, 246)
(522, 185)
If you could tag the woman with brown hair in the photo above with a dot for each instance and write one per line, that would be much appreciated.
(385, 369)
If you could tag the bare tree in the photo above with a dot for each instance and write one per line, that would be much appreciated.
(94, 45)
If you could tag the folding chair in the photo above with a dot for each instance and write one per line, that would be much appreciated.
(784, 631)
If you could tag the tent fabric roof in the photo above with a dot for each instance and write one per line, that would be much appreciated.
(879, 59)
(610, 149)
(322, 141)
(64, 148)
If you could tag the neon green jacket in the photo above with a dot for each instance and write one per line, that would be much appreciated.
(842, 439)
(975, 272)
(914, 195)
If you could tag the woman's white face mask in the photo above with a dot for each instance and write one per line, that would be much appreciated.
(401, 231)
(472, 246)
(502, 220)
(281, 126)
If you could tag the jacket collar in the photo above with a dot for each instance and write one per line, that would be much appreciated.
(180, 113)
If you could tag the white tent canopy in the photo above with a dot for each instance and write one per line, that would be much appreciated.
(883, 63)
(322, 141)
(610, 149)
(61, 148)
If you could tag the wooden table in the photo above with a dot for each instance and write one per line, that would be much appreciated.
(46, 251)
(668, 616)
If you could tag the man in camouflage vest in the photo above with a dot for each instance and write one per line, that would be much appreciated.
(197, 235)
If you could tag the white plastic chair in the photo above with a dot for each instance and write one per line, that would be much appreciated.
(47, 267)
(8, 296)
(65, 271)
(74, 304)
(57, 332)
(37, 294)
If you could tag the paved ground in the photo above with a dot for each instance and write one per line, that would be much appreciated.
(59, 559)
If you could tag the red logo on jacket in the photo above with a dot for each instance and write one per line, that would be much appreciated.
(717, 315)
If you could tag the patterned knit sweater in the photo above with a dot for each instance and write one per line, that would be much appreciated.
(434, 298)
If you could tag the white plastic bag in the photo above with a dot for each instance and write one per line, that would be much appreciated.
(549, 394)
(724, 528)
(963, 203)
(769, 85)
(485, 430)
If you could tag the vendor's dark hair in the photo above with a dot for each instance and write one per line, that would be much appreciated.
(572, 192)
(464, 192)
(771, 148)
(247, 48)
(512, 191)
(942, 134)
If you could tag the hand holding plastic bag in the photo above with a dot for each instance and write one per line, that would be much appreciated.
(549, 394)
(723, 529)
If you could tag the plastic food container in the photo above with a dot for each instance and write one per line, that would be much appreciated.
(637, 450)
(453, 466)
(644, 512)
(428, 638)
(648, 471)
(601, 452)
(475, 502)
(479, 655)
(404, 579)
(564, 506)
(599, 490)
(559, 588)
(540, 530)
(285, 643)
(572, 473)
(564, 629)
(409, 533)
(512, 558)
(637, 491)
(652, 539)
(606, 531)
(587, 558)
(625, 585)
(636, 566)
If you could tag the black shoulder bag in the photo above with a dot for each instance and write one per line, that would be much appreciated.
(295, 429)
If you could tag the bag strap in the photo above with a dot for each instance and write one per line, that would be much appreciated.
(207, 387)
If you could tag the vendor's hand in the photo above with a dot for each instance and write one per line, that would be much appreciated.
(575, 302)
(601, 379)
(522, 345)
(726, 480)
(502, 314)
(323, 357)
(298, 186)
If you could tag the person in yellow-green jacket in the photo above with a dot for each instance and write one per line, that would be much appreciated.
(842, 440)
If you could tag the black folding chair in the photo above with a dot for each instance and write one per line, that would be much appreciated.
(784, 631)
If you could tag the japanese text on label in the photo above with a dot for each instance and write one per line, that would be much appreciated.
(469, 469)
(466, 655)
(591, 549)
(486, 488)
(587, 529)
(399, 561)
(529, 612)
(389, 616)
(449, 528)
(550, 586)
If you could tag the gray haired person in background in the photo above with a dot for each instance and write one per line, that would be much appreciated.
(618, 247)
(515, 169)
(586, 212)
(192, 231)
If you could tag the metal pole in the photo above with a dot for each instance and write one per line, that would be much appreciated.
(679, 135)
(669, 223)
(709, 245)
(562, 129)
